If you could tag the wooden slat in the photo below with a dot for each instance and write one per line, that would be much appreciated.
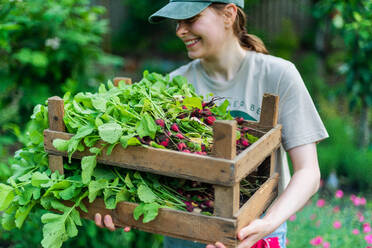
(55, 115)
(174, 223)
(127, 80)
(251, 158)
(158, 161)
(224, 139)
(226, 199)
(269, 111)
(258, 203)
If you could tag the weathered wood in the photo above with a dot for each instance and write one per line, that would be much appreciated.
(55, 115)
(226, 199)
(178, 224)
(269, 111)
(224, 139)
(56, 163)
(127, 80)
(253, 156)
(258, 203)
(158, 161)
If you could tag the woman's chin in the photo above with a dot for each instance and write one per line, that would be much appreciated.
(194, 55)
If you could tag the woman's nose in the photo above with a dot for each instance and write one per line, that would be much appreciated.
(181, 29)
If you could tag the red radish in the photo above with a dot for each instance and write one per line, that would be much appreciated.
(181, 146)
(160, 122)
(204, 104)
(210, 120)
(209, 203)
(165, 142)
(181, 116)
(184, 107)
(180, 136)
(168, 133)
(187, 151)
(240, 120)
(207, 112)
(175, 127)
(203, 147)
(244, 142)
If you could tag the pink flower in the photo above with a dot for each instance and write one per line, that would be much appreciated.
(355, 231)
(368, 238)
(326, 245)
(318, 240)
(286, 241)
(292, 218)
(365, 224)
(352, 197)
(320, 203)
(362, 201)
(361, 218)
(337, 224)
(339, 194)
(366, 229)
(336, 209)
(357, 201)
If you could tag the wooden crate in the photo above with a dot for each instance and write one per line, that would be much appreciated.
(224, 170)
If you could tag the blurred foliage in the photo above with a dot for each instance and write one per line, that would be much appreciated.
(46, 48)
(351, 22)
(340, 153)
(89, 236)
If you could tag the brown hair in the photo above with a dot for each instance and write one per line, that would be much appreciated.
(248, 41)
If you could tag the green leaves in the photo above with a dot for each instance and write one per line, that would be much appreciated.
(38, 179)
(145, 194)
(6, 196)
(95, 187)
(61, 145)
(88, 164)
(149, 211)
(193, 102)
(146, 126)
(110, 132)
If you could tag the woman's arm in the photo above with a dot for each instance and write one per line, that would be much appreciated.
(304, 183)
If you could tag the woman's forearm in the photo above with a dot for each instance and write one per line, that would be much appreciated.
(304, 183)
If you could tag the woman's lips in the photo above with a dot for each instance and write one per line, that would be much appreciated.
(191, 43)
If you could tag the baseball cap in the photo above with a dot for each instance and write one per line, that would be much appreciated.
(184, 9)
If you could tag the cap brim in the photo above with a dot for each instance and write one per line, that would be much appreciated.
(178, 11)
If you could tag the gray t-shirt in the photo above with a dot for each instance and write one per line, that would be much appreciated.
(258, 74)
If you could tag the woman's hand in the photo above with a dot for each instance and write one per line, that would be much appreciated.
(251, 234)
(107, 222)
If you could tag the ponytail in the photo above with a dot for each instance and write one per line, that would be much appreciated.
(249, 41)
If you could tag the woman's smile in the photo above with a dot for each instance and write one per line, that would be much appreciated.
(192, 42)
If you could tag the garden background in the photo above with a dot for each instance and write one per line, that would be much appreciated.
(51, 47)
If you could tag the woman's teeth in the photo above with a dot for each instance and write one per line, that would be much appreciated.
(191, 42)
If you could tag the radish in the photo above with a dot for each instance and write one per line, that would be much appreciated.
(175, 127)
(160, 122)
(180, 136)
(181, 146)
(210, 120)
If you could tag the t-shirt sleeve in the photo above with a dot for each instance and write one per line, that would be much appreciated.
(297, 113)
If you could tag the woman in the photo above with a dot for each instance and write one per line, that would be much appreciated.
(228, 62)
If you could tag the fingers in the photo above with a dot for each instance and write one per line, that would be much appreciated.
(216, 245)
(251, 229)
(108, 223)
(98, 220)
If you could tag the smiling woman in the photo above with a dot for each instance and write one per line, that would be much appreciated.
(230, 63)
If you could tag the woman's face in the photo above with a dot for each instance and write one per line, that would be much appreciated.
(203, 34)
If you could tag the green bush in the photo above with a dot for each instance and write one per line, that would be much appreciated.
(340, 152)
(46, 48)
